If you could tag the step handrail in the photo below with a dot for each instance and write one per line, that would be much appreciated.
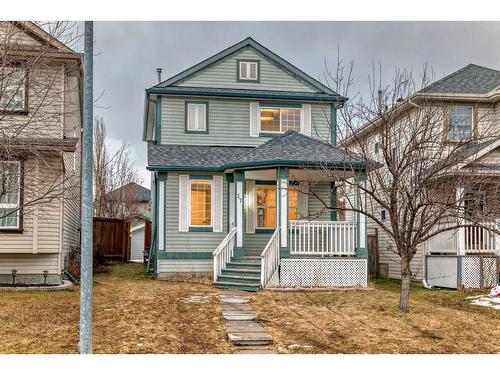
(270, 259)
(223, 253)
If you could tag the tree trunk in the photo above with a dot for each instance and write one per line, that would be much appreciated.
(404, 297)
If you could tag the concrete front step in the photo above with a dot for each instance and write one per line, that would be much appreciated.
(239, 279)
(253, 272)
(249, 287)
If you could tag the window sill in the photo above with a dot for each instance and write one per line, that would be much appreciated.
(270, 135)
(200, 229)
(264, 230)
(195, 131)
(11, 230)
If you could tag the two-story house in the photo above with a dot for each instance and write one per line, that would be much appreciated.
(40, 126)
(466, 104)
(232, 141)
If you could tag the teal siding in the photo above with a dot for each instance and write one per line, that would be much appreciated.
(316, 209)
(188, 242)
(223, 75)
(320, 122)
(228, 123)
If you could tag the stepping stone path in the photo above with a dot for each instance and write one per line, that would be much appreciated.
(242, 328)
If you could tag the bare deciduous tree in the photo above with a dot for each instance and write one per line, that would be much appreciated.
(112, 171)
(418, 169)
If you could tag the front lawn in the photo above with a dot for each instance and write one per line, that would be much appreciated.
(440, 321)
(133, 313)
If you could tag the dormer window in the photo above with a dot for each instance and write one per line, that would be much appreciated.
(248, 70)
(459, 123)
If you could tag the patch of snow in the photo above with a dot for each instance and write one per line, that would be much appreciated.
(486, 301)
(298, 346)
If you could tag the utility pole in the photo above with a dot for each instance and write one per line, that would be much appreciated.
(85, 344)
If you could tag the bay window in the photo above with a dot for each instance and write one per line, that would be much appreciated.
(10, 194)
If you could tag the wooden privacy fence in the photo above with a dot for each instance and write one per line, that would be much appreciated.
(112, 238)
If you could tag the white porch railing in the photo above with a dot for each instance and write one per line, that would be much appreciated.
(325, 238)
(477, 240)
(270, 259)
(224, 253)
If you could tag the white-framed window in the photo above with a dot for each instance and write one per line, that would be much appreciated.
(459, 122)
(279, 120)
(10, 194)
(200, 211)
(197, 117)
(248, 70)
(12, 89)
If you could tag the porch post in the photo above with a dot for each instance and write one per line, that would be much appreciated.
(361, 249)
(239, 191)
(282, 209)
(461, 220)
(161, 213)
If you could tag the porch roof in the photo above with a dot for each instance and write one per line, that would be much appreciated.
(289, 149)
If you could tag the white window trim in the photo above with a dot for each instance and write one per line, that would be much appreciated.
(211, 204)
(248, 78)
(14, 205)
(471, 123)
(197, 115)
(281, 121)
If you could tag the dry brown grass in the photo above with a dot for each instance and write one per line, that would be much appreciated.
(132, 314)
(440, 321)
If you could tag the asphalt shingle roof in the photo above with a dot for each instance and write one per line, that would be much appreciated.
(290, 148)
(141, 193)
(474, 148)
(471, 79)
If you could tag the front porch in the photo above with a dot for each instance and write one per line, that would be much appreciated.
(281, 234)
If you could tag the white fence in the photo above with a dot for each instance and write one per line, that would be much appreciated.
(224, 253)
(325, 238)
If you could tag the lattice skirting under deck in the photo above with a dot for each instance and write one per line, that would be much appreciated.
(323, 272)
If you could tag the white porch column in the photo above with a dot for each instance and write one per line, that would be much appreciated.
(361, 250)
(461, 221)
(161, 188)
(239, 180)
(282, 203)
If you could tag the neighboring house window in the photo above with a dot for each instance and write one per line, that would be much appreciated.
(197, 117)
(459, 123)
(248, 70)
(279, 120)
(377, 147)
(382, 215)
(266, 205)
(12, 89)
(10, 194)
(201, 203)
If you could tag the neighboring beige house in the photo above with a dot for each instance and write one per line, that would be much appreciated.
(40, 127)
(467, 257)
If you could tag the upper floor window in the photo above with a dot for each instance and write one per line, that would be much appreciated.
(201, 203)
(12, 89)
(279, 120)
(248, 70)
(459, 123)
(10, 194)
(197, 117)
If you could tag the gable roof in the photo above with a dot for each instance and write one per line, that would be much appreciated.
(139, 192)
(249, 42)
(471, 79)
(288, 149)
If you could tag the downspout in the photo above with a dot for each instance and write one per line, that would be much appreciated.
(424, 276)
